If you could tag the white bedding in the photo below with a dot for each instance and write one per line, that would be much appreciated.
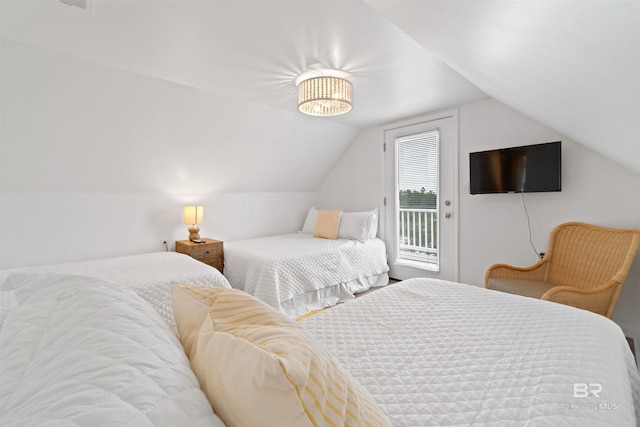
(78, 351)
(150, 275)
(436, 353)
(297, 273)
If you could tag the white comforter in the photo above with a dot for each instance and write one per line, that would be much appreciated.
(150, 275)
(436, 353)
(77, 351)
(279, 268)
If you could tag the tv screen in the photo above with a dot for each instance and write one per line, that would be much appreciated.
(525, 169)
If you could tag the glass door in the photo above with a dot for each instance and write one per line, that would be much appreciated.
(421, 170)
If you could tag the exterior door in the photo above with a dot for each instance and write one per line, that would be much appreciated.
(421, 198)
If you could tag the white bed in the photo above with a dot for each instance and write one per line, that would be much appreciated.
(91, 343)
(150, 275)
(298, 273)
(436, 353)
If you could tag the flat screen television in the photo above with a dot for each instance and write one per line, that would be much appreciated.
(525, 169)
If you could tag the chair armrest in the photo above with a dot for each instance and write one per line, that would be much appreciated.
(597, 299)
(537, 271)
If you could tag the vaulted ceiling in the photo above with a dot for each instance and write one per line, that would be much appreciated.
(574, 66)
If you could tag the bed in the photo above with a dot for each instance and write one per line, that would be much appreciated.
(437, 353)
(77, 349)
(93, 343)
(149, 275)
(299, 272)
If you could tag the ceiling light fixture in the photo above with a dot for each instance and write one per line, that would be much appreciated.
(324, 93)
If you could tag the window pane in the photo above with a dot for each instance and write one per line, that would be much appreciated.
(417, 182)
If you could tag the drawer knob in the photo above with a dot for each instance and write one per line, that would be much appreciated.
(207, 253)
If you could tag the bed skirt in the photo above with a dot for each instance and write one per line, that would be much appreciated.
(331, 295)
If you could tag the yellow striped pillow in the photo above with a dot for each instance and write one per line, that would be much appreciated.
(259, 369)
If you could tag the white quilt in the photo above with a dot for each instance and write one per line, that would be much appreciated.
(77, 351)
(276, 269)
(150, 275)
(436, 353)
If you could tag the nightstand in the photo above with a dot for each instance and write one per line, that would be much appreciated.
(210, 252)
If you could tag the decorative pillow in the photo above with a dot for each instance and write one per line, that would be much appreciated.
(310, 222)
(359, 226)
(259, 369)
(327, 224)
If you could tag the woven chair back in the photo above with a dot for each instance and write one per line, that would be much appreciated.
(587, 256)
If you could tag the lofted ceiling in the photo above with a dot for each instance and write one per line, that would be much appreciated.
(251, 50)
(572, 65)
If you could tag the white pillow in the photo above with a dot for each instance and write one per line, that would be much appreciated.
(360, 226)
(373, 227)
(310, 222)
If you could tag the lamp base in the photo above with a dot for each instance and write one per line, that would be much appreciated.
(194, 233)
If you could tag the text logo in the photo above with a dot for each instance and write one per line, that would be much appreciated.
(581, 390)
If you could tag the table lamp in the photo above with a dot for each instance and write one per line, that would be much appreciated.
(193, 216)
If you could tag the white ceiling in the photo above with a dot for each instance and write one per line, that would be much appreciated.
(572, 65)
(253, 50)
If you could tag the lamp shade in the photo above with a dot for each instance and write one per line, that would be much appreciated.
(193, 214)
(324, 96)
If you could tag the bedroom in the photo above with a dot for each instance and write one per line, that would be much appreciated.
(105, 136)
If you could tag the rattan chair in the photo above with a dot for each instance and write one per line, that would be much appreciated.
(585, 267)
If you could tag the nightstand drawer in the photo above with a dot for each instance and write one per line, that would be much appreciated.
(211, 252)
(206, 253)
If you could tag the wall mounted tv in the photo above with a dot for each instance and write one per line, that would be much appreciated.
(525, 169)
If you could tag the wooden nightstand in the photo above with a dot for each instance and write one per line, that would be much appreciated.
(210, 252)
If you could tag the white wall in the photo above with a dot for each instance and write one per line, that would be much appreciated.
(492, 228)
(356, 182)
(50, 228)
(97, 161)
(70, 125)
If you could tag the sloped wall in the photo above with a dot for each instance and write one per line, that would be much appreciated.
(492, 228)
(97, 161)
(70, 125)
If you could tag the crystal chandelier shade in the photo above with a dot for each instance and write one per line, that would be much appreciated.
(325, 96)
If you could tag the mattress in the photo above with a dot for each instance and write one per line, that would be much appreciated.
(437, 353)
(297, 273)
(79, 351)
(150, 275)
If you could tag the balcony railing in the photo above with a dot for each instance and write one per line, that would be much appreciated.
(418, 234)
